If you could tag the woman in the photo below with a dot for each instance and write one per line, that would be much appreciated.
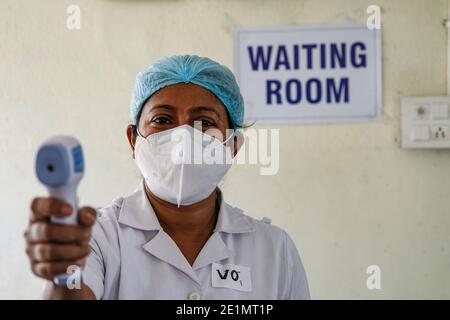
(174, 237)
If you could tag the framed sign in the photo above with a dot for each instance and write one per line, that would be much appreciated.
(309, 74)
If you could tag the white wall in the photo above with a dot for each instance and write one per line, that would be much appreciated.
(348, 194)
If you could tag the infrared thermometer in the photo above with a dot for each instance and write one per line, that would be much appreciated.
(60, 167)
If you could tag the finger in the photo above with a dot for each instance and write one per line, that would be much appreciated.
(87, 216)
(28, 250)
(43, 208)
(48, 232)
(47, 252)
(49, 270)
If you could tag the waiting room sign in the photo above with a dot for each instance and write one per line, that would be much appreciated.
(309, 74)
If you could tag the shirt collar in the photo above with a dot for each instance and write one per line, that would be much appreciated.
(137, 212)
(231, 219)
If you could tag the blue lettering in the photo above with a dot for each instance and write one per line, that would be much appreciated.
(273, 88)
(262, 58)
(361, 63)
(282, 58)
(331, 90)
(336, 55)
(309, 57)
(293, 96)
(314, 90)
(309, 90)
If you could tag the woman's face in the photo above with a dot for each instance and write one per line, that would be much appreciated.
(179, 104)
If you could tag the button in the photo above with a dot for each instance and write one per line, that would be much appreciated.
(420, 133)
(266, 220)
(439, 111)
(421, 112)
(194, 296)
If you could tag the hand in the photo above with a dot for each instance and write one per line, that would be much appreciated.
(53, 247)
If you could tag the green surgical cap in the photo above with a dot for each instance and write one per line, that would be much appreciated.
(189, 69)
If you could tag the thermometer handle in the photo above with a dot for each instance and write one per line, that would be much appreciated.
(68, 194)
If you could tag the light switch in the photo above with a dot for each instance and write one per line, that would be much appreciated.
(420, 133)
(439, 111)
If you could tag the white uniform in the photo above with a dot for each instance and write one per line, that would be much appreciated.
(133, 258)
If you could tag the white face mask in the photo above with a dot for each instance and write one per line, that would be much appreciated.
(182, 165)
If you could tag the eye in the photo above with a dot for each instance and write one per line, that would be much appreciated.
(161, 120)
(207, 123)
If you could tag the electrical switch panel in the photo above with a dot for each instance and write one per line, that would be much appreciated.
(426, 122)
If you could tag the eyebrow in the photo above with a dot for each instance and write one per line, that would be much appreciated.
(162, 106)
(206, 108)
